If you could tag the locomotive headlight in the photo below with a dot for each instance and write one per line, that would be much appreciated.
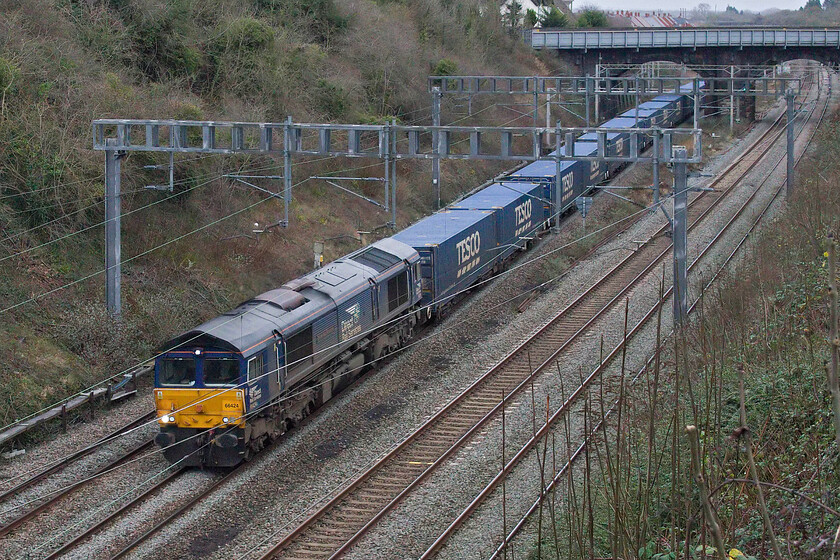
(225, 420)
(198, 352)
(171, 418)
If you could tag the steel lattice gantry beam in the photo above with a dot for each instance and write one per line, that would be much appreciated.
(388, 142)
(616, 85)
(350, 140)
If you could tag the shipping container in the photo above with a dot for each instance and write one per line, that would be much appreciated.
(647, 117)
(616, 143)
(456, 247)
(520, 211)
(684, 103)
(670, 112)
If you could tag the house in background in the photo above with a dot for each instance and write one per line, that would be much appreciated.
(627, 18)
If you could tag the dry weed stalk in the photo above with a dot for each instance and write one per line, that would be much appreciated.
(711, 518)
(834, 338)
(747, 435)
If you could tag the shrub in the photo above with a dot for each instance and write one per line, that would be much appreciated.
(531, 18)
(445, 67)
(321, 17)
(103, 33)
(98, 338)
(160, 38)
(240, 55)
(554, 18)
(330, 99)
(9, 75)
(31, 199)
(590, 17)
(246, 35)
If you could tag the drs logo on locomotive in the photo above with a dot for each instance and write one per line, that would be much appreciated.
(468, 250)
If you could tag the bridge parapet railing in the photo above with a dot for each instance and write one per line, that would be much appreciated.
(565, 39)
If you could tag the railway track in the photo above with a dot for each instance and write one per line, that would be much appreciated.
(66, 461)
(564, 469)
(338, 524)
(68, 490)
(178, 512)
(158, 487)
(168, 479)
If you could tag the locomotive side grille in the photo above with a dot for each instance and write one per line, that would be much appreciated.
(325, 332)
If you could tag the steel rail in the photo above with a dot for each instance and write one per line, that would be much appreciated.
(522, 385)
(5, 529)
(464, 438)
(56, 467)
(125, 507)
(416, 476)
(176, 514)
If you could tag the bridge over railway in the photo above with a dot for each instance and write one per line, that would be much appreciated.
(583, 49)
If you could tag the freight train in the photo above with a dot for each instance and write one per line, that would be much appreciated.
(226, 388)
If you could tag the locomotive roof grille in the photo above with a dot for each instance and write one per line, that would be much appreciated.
(376, 259)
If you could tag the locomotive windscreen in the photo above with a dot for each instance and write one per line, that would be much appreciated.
(177, 371)
(221, 371)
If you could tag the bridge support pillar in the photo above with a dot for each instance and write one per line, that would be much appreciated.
(746, 108)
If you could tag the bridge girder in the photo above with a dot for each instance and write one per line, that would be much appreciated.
(584, 61)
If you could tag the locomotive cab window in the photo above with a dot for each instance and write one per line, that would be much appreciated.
(221, 371)
(397, 291)
(255, 367)
(177, 371)
(299, 348)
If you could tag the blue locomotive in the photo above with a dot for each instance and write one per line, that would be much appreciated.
(226, 388)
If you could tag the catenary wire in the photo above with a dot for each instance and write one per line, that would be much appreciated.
(141, 254)
(136, 256)
(472, 287)
(118, 374)
(181, 181)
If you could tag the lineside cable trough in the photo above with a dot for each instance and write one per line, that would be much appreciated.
(113, 392)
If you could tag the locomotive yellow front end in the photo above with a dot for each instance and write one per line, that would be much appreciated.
(200, 407)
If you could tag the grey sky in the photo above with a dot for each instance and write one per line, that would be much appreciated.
(641, 5)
